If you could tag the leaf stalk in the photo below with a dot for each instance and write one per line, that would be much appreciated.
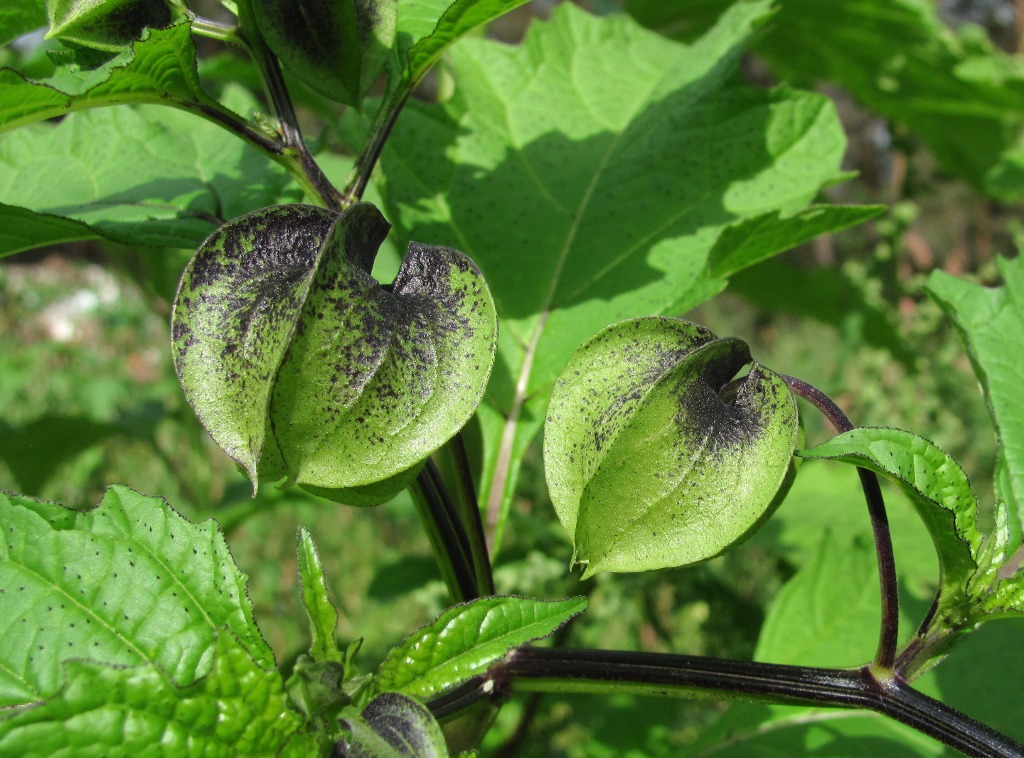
(885, 656)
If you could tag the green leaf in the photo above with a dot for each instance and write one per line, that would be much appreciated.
(301, 365)
(761, 237)
(128, 582)
(747, 730)
(590, 171)
(236, 708)
(316, 599)
(827, 614)
(22, 229)
(458, 19)
(650, 462)
(989, 320)
(335, 47)
(104, 24)
(151, 176)
(466, 639)
(935, 484)
(159, 68)
(18, 17)
(828, 498)
(955, 91)
(393, 726)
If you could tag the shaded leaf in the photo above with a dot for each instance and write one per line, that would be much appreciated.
(316, 599)
(466, 639)
(335, 47)
(150, 176)
(128, 582)
(301, 365)
(158, 68)
(827, 294)
(392, 726)
(633, 155)
(104, 24)
(988, 321)
(22, 229)
(236, 708)
(650, 460)
(827, 614)
(955, 91)
(18, 17)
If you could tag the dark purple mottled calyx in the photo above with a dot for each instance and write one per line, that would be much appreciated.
(302, 366)
(236, 308)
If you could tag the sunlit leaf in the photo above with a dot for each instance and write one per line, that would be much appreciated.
(147, 176)
(466, 639)
(128, 582)
(236, 708)
(988, 321)
(316, 599)
(935, 484)
(160, 67)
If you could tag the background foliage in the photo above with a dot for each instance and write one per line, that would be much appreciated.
(574, 140)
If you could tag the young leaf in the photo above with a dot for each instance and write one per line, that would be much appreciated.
(393, 726)
(128, 582)
(281, 334)
(129, 175)
(935, 484)
(651, 460)
(316, 599)
(466, 639)
(336, 47)
(636, 156)
(236, 708)
(159, 68)
(459, 18)
(104, 24)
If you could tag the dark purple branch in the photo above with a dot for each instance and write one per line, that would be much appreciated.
(888, 635)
